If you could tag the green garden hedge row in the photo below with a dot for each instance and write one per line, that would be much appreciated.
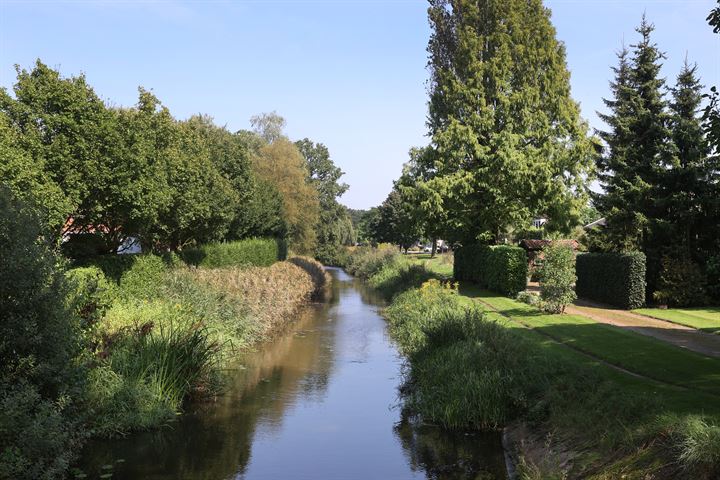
(260, 252)
(500, 268)
(136, 273)
(617, 279)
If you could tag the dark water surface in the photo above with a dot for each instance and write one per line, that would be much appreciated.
(319, 402)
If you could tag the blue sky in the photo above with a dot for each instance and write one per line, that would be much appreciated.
(350, 74)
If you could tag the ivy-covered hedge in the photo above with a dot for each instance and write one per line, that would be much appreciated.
(617, 279)
(500, 268)
(259, 252)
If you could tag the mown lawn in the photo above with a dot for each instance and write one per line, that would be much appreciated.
(705, 319)
(442, 264)
(638, 353)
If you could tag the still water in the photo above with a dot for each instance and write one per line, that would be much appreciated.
(319, 402)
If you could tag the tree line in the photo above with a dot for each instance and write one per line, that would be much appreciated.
(113, 173)
(507, 144)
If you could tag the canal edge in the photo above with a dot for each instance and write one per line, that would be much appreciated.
(509, 462)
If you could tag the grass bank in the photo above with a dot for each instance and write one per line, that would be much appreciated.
(478, 361)
(160, 332)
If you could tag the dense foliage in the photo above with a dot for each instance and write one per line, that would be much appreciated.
(507, 141)
(557, 277)
(40, 376)
(99, 175)
(500, 268)
(394, 222)
(335, 228)
(659, 173)
(614, 278)
(259, 252)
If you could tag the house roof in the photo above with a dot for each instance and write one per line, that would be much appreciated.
(600, 222)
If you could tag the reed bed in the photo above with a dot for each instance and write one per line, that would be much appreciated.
(271, 294)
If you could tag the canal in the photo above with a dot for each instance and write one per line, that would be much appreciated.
(319, 402)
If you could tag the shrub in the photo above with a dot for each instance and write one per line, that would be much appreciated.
(557, 278)
(138, 276)
(259, 252)
(501, 268)
(37, 438)
(681, 283)
(143, 280)
(528, 298)
(614, 278)
(332, 255)
(39, 342)
(91, 293)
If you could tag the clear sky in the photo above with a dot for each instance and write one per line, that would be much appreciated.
(350, 74)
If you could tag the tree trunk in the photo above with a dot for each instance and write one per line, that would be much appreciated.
(433, 248)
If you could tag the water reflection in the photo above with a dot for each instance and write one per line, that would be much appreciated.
(315, 403)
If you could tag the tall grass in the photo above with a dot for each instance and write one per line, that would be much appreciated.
(271, 294)
(366, 261)
(465, 371)
(169, 330)
(387, 270)
(695, 442)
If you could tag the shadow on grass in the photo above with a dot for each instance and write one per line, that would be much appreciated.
(672, 357)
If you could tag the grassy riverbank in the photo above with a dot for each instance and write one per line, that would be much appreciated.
(123, 342)
(477, 360)
(166, 331)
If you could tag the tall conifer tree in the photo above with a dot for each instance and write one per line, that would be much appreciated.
(687, 195)
(638, 148)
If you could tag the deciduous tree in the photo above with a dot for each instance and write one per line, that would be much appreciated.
(507, 140)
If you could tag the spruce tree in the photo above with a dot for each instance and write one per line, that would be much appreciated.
(507, 141)
(638, 148)
(687, 186)
(615, 168)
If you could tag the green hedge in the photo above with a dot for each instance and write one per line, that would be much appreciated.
(137, 275)
(260, 252)
(501, 268)
(617, 279)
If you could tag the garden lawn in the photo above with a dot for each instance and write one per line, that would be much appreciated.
(705, 319)
(442, 264)
(637, 353)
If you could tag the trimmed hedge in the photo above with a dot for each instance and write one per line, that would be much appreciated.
(617, 279)
(259, 252)
(500, 268)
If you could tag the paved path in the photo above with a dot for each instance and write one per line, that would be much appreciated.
(679, 335)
